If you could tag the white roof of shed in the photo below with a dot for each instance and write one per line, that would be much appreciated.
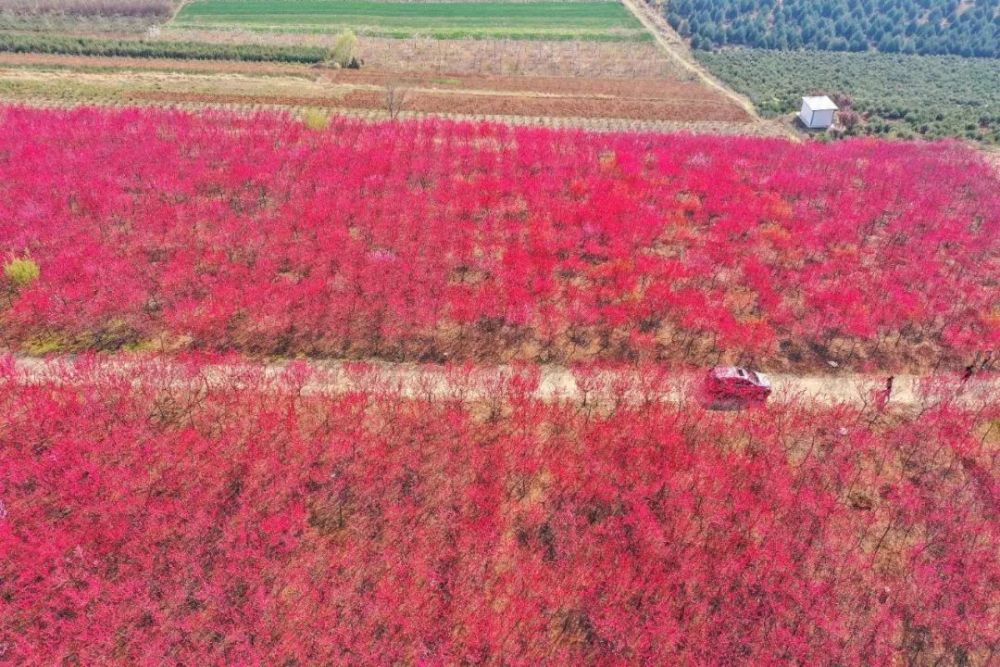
(820, 103)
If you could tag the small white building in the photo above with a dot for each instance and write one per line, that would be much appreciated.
(817, 112)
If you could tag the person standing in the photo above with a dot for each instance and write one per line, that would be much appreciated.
(882, 396)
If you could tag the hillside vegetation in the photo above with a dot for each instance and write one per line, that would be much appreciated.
(968, 28)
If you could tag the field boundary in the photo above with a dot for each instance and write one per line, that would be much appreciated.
(177, 10)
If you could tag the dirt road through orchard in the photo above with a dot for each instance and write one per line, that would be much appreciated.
(476, 383)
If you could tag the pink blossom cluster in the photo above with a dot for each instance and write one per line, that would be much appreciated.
(440, 240)
(260, 524)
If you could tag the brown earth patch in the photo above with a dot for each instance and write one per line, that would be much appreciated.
(561, 106)
(474, 56)
(483, 104)
(467, 78)
(633, 88)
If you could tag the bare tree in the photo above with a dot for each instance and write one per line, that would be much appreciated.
(395, 98)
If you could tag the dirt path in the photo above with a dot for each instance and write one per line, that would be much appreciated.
(479, 383)
(177, 10)
(992, 156)
(675, 47)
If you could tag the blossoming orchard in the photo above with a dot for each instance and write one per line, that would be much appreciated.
(436, 240)
(185, 480)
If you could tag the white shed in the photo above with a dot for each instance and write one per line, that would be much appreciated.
(817, 112)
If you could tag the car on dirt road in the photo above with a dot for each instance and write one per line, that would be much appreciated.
(734, 388)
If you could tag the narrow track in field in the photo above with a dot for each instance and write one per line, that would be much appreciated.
(177, 10)
(330, 377)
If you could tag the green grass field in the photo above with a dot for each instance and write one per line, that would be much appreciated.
(594, 20)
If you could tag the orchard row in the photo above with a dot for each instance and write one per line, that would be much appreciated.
(253, 524)
(439, 240)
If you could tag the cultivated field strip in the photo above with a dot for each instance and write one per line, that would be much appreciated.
(479, 383)
(289, 86)
(601, 20)
(505, 57)
(602, 125)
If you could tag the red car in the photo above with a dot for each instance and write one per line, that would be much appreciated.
(734, 388)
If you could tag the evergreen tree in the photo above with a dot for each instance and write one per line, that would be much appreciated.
(969, 28)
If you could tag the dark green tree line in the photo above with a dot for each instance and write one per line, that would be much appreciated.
(968, 28)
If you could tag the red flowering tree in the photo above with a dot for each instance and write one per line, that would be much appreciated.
(437, 240)
(168, 515)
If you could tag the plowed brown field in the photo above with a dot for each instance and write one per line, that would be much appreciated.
(183, 81)
(502, 96)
